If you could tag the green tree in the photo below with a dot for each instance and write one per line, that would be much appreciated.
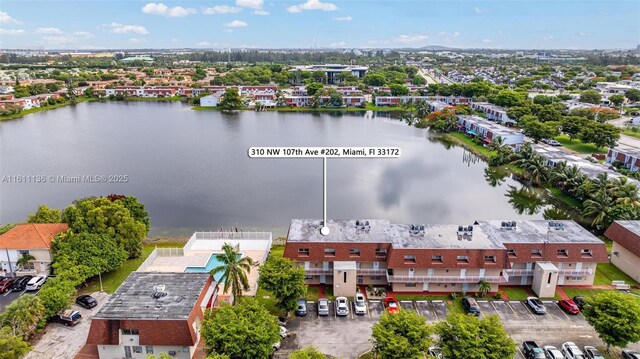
(230, 100)
(399, 90)
(22, 316)
(319, 76)
(543, 100)
(234, 271)
(534, 168)
(285, 280)
(617, 99)
(539, 130)
(509, 98)
(483, 287)
(401, 335)
(633, 95)
(102, 216)
(12, 346)
(517, 112)
(314, 88)
(468, 337)
(309, 352)
(549, 113)
(600, 134)
(591, 96)
(137, 209)
(572, 125)
(56, 295)
(615, 317)
(597, 208)
(24, 261)
(243, 331)
(375, 79)
(45, 214)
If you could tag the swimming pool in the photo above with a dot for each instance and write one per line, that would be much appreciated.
(211, 263)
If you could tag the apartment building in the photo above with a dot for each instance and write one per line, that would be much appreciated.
(488, 131)
(444, 258)
(493, 112)
(629, 156)
(625, 251)
(28, 239)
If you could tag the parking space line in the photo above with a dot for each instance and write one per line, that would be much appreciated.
(521, 353)
(415, 306)
(496, 309)
(565, 314)
(24, 291)
(433, 308)
(512, 311)
(6, 293)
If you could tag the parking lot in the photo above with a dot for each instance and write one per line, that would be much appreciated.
(7, 297)
(347, 337)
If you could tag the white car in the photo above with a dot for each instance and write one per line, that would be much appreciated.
(552, 352)
(571, 351)
(342, 306)
(283, 332)
(36, 282)
(360, 304)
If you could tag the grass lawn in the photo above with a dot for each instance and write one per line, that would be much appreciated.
(112, 280)
(578, 146)
(628, 132)
(607, 272)
(516, 293)
(589, 293)
(265, 297)
(557, 193)
(421, 297)
(367, 355)
(467, 143)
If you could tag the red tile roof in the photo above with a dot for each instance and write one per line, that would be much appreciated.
(622, 233)
(31, 235)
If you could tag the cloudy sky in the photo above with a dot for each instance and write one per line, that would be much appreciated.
(95, 24)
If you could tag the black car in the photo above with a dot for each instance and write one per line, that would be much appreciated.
(86, 301)
(630, 354)
(580, 302)
(21, 283)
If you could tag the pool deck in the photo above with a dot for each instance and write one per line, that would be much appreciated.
(195, 258)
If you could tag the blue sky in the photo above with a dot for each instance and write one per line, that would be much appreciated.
(119, 24)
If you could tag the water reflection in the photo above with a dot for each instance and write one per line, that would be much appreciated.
(495, 176)
(525, 200)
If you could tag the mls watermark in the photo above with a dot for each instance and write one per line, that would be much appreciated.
(18, 179)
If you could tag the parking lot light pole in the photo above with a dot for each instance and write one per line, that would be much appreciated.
(100, 276)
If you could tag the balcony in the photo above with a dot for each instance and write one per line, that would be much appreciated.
(519, 272)
(371, 271)
(575, 272)
(445, 279)
(318, 271)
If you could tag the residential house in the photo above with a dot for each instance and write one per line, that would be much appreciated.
(629, 156)
(210, 100)
(625, 251)
(29, 238)
(488, 131)
(493, 112)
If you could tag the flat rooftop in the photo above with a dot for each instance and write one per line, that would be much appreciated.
(134, 298)
(490, 125)
(491, 234)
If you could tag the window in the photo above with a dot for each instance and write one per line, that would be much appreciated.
(586, 253)
(303, 252)
(511, 252)
(549, 279)
(185, 349)
(489, 259)
(536, 253)
(381, 252)
(409, 259)
(130, 332)
(563, 253)
(462, 259)
(354, 252)
(329, 252)
(345, 277)
(436, 259)
(411, 285)
(308, 276)
(149, 349)
(172, 353)
(137, 349)
(575, 278)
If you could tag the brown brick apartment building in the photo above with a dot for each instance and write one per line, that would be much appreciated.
(625, 252)
(151, 313)
(445, 258)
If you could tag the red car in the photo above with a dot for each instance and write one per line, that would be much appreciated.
(391, 305)
(569, 306)
(5, 284)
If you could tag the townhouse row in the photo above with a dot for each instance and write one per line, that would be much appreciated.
(444, 258)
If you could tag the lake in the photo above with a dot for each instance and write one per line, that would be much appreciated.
(192, 171)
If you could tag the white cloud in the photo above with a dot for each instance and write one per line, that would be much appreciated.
(82, 34)
(456, 34)
(254, 4)
(312, 5)
(343, 18)
(12, 31)
(582, 33)
(477, 10)
(442, 33)
(174, 40)
(136, 40)
(205, 44)
(6, 19)
(49, 30)
(260, 12)
(236, 23)
(162, 9)
(221, 9)
(128, 29)
(338, 44)
(487, 41)
(408, 39)
(228, 30)
(59, 40)
(550, 37)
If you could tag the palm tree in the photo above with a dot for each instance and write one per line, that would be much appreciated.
(422, 108)
(535, 169)
(483, 287)
(25, 260)
(496, 143)
(598, 207)
(234, 270)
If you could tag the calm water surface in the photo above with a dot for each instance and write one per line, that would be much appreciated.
(192, 171)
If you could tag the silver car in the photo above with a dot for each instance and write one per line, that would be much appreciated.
(323, 307)
(360, 304)
(342, 306)
(536, 305)
(552, 352)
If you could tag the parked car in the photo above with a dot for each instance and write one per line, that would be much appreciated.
(359, 304)
(67, 317)
(536, 305)
(323, 307)
(592, 353)
(20, 283)
(36, 282)
(571, 351)
(302, 307)
(569, 306)
(283, 332)
(391, 305)
(552, 352)
(471, 306)
(342, 306)
(6, 284)
(277, 346)
(435, 352)
(554, 143)
(630, 354)
(86, 301)
(580, 302)
(531, 350)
